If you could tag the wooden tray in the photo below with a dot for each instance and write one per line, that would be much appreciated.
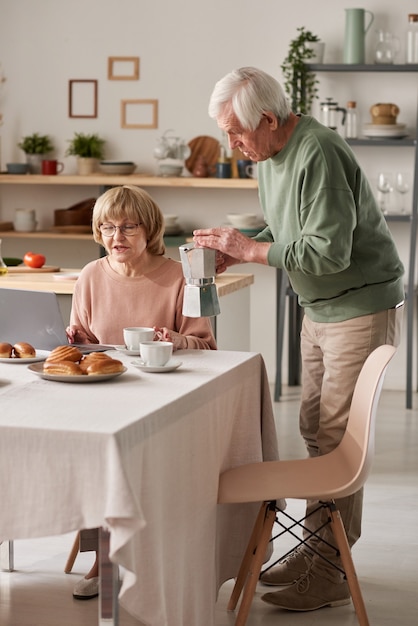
(23, 269)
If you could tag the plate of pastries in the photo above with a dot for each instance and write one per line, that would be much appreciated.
(21, 352)
(68, 365)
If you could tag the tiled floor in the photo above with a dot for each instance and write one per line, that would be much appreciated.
(386, 557)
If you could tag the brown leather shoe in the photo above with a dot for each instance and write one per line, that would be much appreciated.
(288, 570)
(309, 593)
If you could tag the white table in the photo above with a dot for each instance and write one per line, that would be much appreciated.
(140, 455)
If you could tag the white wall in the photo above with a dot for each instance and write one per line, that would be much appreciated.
(184, 47)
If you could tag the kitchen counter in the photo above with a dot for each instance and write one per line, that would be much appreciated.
(232, 326)
(50, 281)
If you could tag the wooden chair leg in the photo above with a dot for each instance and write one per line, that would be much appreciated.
(247, 558)
(255, 566)
(73, 554)
(348, 565)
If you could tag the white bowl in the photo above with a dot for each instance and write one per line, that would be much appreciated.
(170, 220)
(243, 220)
(168, 169)
(117, 167)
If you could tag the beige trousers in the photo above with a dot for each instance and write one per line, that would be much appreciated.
(332, 357)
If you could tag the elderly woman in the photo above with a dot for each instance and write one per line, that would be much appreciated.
(135, 284)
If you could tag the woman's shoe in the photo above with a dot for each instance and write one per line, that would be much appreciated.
(87, 588)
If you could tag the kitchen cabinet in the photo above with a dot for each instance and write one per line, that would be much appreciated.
(411, 219)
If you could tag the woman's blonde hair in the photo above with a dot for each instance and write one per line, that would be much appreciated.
(136, 205)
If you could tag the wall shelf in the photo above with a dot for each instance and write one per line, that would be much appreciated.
(413, 218)
(133, 179)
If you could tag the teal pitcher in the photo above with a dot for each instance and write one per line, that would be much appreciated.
(355, 32)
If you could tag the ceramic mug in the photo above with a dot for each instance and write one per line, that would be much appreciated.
(251, 170)
(133, 336)
(52, 167)
(156, 353)
(242, 165)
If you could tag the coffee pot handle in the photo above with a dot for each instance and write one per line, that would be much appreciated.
(344, 112)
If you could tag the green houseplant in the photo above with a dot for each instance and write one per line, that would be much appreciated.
(86, 146)
(36, 147)
(300, 83)
(36, 144)
(87, 149)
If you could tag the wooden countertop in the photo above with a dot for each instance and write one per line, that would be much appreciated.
(38, 281)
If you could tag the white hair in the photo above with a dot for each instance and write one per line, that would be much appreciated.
(251, 92)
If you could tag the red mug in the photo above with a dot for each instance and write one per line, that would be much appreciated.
(52, 167)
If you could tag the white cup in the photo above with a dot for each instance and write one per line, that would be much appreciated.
(156, 353)
(24, 220)
(251, 170)
(133, 336)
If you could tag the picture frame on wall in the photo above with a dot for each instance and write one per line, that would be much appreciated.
(139, 113)
(82, 98)
(123, 68)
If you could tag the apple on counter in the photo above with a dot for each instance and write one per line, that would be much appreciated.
(34, 260)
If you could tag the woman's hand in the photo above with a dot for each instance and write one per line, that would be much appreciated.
(76, 335)
(179, 341)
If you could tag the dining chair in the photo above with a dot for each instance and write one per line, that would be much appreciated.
(337, 474)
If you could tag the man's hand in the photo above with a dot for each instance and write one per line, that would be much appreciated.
(233, 246)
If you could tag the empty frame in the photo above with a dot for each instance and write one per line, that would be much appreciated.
(123, 68)
(139, 113)
(82, 98)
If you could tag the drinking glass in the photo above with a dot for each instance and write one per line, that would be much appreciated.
(402, 187)
(384, 189)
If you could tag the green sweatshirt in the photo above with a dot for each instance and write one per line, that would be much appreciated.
(327, 230)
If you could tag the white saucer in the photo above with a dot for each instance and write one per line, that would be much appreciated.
(172, 365)
(127, 352)
(40, 356)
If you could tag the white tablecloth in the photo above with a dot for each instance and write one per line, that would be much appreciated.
(140, 455)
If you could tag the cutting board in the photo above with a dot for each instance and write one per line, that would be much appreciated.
(23, 269)
(206, 147)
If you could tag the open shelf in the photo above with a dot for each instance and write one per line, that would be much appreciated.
(133, 179)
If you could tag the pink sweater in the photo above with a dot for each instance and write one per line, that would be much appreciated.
(105, 302)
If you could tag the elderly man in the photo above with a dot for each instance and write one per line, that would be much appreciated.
(325, 230)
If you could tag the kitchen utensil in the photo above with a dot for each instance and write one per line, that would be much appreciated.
(355, 33)
(329, 113)
(117, 167)
(206, 147)
(387, 47)
(199, 269)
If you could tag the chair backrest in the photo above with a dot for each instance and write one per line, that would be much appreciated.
(358, 443)
(336, 474)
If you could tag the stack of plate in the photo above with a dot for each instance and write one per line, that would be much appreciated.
(385, 131)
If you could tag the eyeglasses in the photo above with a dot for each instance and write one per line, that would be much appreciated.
(108, 230)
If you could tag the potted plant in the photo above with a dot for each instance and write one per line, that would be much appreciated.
(88, 149)
(36, 147)
(300, 83)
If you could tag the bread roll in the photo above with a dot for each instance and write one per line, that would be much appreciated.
(6, 350)
(64, 353)
(23, 350)
(104, 366)
(62, 368)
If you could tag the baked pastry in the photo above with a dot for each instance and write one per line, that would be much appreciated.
(104, 366)
(64, 353)
(93, 357)
(23, 350)
(6, 350)
(62, 368)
